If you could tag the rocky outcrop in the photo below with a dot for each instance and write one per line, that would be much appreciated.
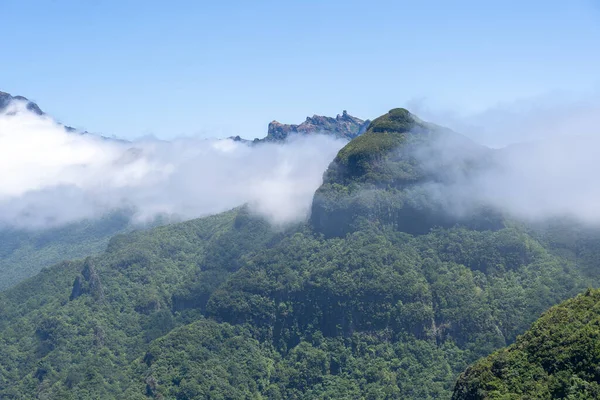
(88, 282)
(239, 139)
(7, 98)
(382, 177)
(343, 126)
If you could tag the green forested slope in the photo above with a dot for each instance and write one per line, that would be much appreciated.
(379, 313)
(23, 253)
(54, 336)
(557, 357)
(380, 175)
(225, 307)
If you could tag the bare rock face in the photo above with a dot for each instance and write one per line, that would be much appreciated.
(77, 288)
(88, 282)
(342, 126)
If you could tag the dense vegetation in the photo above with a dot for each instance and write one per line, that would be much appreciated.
(557, 358)
(24, 252)
(225, 307)
(379, 176)
(379, 313)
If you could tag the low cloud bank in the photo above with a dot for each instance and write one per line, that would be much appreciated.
(553, 172)
(552, 115)
(51, 177)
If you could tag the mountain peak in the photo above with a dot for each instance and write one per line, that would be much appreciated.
(396, 120)
(344, 126)
(379, 176)
(385, 133)
(7, 98)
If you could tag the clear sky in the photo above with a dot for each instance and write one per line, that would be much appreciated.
(219, 68)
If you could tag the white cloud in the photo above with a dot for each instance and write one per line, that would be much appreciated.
(554, 173)
(51, 177)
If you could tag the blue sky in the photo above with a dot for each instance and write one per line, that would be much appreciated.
(219, 68)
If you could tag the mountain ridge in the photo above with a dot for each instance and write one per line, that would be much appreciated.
(342, 126)
(7, 98)
(24, 252)
(380, 176)
(557, 357)
(227, 307)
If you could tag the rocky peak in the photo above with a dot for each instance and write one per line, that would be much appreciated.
(347, 117)
(7, 98)
(343, 126)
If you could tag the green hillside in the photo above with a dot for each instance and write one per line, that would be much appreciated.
(23, 253)
(378, 302)
(556, 358)
(379, 176)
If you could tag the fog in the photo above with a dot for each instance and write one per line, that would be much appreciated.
(551, 115)
(50, 177)
(553, 172)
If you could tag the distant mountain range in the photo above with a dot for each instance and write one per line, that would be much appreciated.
(342, 126)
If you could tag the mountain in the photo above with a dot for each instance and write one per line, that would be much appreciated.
(23, 252)
(557, 358)
(6, 99)
(343, 126)
(380, 175)
(386, 306)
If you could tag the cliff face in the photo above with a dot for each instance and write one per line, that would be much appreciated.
(343, 126)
